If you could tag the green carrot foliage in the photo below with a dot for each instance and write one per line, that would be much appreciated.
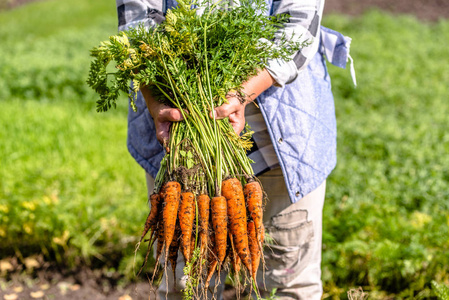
(191, 61)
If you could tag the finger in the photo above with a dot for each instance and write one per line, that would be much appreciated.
(163, 132)
(237, 122)
(170, 115)
(226, 109)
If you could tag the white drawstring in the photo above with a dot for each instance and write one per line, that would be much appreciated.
(352, 70)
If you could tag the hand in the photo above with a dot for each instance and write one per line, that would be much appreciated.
(163, 115)
(234, 109)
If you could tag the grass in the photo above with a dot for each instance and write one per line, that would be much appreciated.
(386, 218)
(70, 190)
(66, 169)
(67, 178)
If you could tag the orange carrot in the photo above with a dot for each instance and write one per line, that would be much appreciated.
(233, 192)
(173, 250)
(150, 245)
(203, 211)
(155, 201)
(152, 218)
(213, 261)
(160, 245)
(220, 227)
(171, 196)
(160, 237)
(186, 218)
(235, 259)
(235, 263)
(192, 242)
(254, 196)
(210, 272)
(254, 249)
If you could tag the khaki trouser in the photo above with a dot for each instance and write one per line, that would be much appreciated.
(293, 260)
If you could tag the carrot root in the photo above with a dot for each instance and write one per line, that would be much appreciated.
(220, 227)
(203, 211)
(254, 249)
(186, 218)
(171, 196)
(233, 192)
(254, 197)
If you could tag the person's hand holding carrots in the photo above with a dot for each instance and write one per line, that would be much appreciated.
(235, 108)
(163, 115)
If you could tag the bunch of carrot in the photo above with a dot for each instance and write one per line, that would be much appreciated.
(207, 201)
(222, 228)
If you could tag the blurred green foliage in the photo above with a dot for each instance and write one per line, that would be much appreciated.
(70, 190)
(386, 219)
(45, 48)
(441, 290)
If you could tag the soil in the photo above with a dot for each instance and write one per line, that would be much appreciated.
(47, 282)
(84, 283)
(33, 278)
(428, 10)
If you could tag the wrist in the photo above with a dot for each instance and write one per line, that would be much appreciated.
(152, 104)
(257, 85)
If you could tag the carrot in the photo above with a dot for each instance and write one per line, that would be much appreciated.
(210, 272)
(160, 237)
(235, 262)
(203, 211)
(160, 245)
(152, 219)
(155, 199)
(173, 250)
(151, 222)
(235, 259)
(186, 217)
(171, 196)
(220, 227)
(192, 242)
(254, 196)
(233, 192)
(213, 261)
(254, 249)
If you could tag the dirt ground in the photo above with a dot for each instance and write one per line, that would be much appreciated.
(51, 283)
(426, 10)
(37, 279)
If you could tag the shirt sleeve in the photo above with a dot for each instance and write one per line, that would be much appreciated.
(133, 12)
(304, 25)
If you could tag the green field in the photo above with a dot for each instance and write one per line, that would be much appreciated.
(69, 189)
(386, 221)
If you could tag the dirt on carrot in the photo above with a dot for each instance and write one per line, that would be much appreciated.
(254, 249)
(151, 220)
(233, 192)
(203, 212)
(212, 261)
(220, 226)
(173, 250)
(171, 198)
(186, 218)
(254, 197)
